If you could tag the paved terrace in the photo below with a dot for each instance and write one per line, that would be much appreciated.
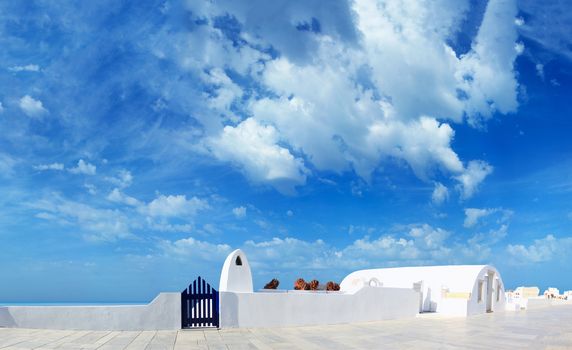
(545, 328)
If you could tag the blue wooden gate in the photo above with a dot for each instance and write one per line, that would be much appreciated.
(199, 305)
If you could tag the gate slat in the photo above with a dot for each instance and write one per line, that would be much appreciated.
(205, 314)
(200, 315)
(209, 309)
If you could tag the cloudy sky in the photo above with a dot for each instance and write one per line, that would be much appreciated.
(141, 142)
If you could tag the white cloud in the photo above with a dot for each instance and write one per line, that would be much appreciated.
(1, 107)
(52, 166)
(254, 147)
(91, 189)
(96, 223)
(123, 179)
(473, 175)
(93, 223)
(167, 227)
(239, 212)
(32, 108)
(175, 206)
(489, 238)
(83, 167)
(519, 21)
(519, 48)
(26, 68)
(540, 70)
(486, 73)
(226, 92)
(420, 244)
(193, 248)
(472, 215)
(119, 197)
(440, 193)
(376, 104)
(429, 237)
(541, 250)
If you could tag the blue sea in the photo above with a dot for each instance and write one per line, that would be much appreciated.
(73, 304)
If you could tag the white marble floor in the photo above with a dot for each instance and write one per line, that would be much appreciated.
(545, 328)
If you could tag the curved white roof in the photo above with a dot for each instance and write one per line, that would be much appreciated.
(457, 278)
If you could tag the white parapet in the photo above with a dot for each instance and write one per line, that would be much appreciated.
(163, 313)
(297, 308)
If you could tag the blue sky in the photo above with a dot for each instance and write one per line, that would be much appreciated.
(141, 142)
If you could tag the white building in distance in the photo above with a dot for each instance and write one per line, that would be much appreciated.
(459, 290)
(526, 292)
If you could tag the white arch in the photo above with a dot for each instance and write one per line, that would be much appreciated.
(236, 275)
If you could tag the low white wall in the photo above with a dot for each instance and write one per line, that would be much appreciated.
(163, 313)
(516, 304)
(296, 308)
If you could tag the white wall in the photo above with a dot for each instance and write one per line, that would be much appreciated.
(163, 313)
(296, 308)
(517, 304)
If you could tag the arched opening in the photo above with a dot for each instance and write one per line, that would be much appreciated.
(238, 261)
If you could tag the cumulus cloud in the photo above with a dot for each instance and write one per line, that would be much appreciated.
(31, 107)
(239, 212)
(472, 215)
(193, 248)
(119, 197)
(174, 206)
(83, 167)
(489, 238)
(440, 193)
(52, 166)
(123, 179)
(419, 244)
(309, 254)
(486, 73)
(472, 176)
(541, 250)
(254, 147)
(91, 189)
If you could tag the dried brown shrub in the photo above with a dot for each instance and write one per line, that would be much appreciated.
(272, 284)
(332, 286)
(314, 284)
(300, 284)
